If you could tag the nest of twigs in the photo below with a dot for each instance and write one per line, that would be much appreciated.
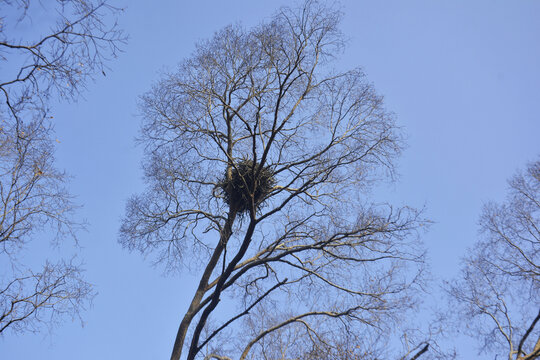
(246, 184)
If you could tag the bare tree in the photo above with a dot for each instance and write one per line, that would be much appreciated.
(258, 161)
(37, 66)
(499, 291)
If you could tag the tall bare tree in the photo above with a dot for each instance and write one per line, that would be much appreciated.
(499, 291)
(258, 161)
(53, 60)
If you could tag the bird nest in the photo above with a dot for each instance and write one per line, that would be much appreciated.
(247, 184)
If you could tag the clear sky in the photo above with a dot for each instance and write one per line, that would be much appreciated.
(462, 77)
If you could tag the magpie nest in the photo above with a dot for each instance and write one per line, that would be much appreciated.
(236, 191)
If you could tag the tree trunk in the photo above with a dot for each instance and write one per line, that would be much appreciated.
(225, 235)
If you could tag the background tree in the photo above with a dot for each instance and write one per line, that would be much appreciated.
(499, 289)
(258, 161)
(40, 65)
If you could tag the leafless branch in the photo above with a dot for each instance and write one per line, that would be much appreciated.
(500, 284)
(51, 60)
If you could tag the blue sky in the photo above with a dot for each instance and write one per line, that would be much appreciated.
(462, 77)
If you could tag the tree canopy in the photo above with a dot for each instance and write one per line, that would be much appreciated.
(259, 158)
